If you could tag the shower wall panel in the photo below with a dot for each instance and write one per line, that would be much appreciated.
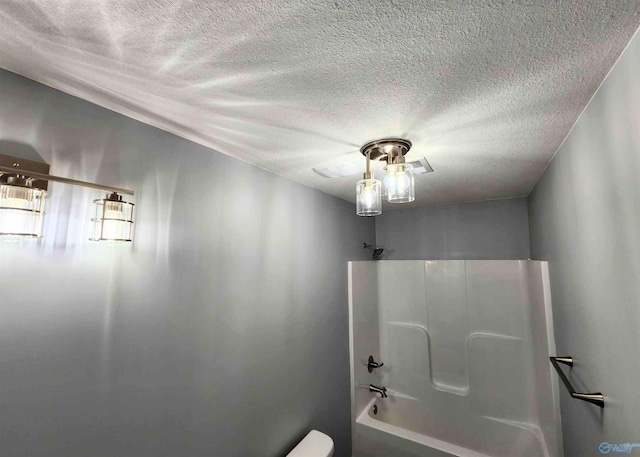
(468, 339)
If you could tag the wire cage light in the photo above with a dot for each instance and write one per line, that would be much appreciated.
(21, 208)
(113, 219)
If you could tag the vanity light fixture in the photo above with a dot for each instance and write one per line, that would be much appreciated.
(399, 184)
(23, 189)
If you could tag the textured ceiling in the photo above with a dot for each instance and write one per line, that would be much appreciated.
(486, 90)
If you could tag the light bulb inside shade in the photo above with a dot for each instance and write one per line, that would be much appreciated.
(114, 225)
(114, 210)
(398, 183)
(369, 197)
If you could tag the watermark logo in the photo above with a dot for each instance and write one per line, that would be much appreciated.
(623, 448)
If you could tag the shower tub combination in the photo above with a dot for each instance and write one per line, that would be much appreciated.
(465, 348)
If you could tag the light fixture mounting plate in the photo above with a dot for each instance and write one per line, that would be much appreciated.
(25, 166)
(379, 149)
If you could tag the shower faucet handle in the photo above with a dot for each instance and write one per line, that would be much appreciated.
(372, 364)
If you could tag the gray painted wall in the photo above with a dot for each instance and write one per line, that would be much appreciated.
(496, 229)
(223, 331)
(585, 220)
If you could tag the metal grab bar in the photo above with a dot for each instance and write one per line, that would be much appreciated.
(596, 398)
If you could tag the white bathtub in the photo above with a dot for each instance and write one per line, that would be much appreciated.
(410, 426)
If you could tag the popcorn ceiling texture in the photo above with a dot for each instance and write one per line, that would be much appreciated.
(486, 90)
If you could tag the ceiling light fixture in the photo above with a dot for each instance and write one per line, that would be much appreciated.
(399, 182)
(23, 189)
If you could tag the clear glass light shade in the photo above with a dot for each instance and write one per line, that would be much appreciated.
(369, 197)
(113, 219)
(21, 211)
(398, 183)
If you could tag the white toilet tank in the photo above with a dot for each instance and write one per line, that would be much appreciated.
(315, 444)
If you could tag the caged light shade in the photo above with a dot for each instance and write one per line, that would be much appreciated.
(113, 219)
(21, 209)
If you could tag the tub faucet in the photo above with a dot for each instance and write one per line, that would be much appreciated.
(381, 390)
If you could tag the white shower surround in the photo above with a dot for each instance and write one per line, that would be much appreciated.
(465, 346)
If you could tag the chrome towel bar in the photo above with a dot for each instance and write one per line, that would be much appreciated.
(596, 398)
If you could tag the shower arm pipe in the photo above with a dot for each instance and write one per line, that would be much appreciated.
(74, 182)
(595, 398)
